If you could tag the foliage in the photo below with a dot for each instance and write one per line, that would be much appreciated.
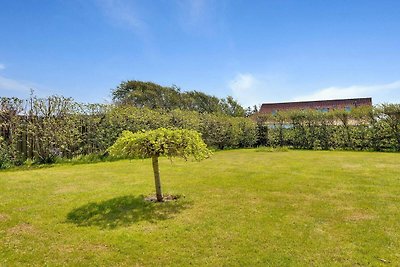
(150, 95)
(5, 158)
(362, 128)
(391, 117)
(247, 135)
(160, 142)
(146, 94)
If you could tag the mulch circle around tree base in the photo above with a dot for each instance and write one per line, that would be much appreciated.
(153, 198)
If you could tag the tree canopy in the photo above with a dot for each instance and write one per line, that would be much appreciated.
(160, 142)
(154, 96)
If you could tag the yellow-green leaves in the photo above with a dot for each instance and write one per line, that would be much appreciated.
(161, 142)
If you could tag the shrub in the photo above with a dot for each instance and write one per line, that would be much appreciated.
(5, 157)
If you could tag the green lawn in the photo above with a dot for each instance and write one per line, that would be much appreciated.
(241, 208)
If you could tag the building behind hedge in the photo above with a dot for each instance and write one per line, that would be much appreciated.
(321, 105)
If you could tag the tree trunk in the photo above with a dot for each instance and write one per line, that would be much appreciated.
(157, 178)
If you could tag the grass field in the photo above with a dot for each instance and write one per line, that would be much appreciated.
(240, 208)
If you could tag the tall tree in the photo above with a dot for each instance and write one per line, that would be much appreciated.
(147, 94)
(232, 107)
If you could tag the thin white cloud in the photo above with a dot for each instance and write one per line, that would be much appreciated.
(354, 91)
(254, 89)
(2, 66)
(242, 83)
(7, 84)
(16, 88)
(244, 87)
(203, 17)
(197, 9)
(124, 14)
(131, 16)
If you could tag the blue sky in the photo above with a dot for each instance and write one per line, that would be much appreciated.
(256, 51)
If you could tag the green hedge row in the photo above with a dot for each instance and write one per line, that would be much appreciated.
(45, 129)
(363, 128)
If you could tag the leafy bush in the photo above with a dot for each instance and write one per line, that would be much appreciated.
(5, 157)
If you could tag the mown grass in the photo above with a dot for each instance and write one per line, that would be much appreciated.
(240, 208)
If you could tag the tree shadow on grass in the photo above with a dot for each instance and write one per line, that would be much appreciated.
(124, 211)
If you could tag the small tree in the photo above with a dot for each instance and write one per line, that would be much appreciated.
(160, 142)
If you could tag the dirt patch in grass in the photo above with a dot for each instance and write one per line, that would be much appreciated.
(83, 247)
(67, 189)
(97, 247)
(22, 229)
(4, 217)
(66, 249)
(349, 166)
(390, 166)
(359, 216)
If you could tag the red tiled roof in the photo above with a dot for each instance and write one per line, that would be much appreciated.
(320, 104)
